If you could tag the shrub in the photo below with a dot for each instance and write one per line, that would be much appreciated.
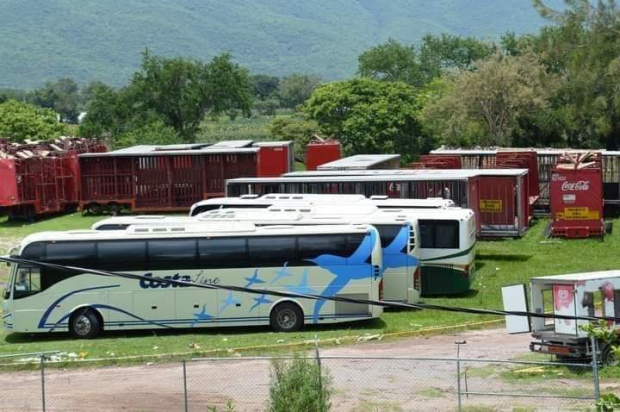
(298, 386)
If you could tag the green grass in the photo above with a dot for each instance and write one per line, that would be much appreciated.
(499, 263)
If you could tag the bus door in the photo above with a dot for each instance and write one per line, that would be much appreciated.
(396, 270)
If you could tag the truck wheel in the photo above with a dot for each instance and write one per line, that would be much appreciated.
(286, 317)
(115, 209)
(94, 209)
(608, 357)
(84, 324)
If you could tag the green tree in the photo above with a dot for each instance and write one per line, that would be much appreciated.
(61, 96)
(296, 89)
(299, 131)
(299, 386)
(181, 91)
(155, 133)
(584, 47)
(368, 116)
(446, 53)
(178, 92)
(396, 62)
(393, 62)
(21, 121)
(265, 86)
(484, 105)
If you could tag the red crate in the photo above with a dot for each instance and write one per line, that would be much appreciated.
(319, 152)
(576, 199)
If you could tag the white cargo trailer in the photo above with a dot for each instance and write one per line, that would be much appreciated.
(579, 294)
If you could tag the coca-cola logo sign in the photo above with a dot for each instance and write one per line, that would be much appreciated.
(580, 186)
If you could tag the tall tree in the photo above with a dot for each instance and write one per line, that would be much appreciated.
(584, 47)
(296, 89)
(483, 106)
(393, 62)
(61, 96)
(20, 121)
(368, 116)
(265, 86)
(181, 91)
(396, 62)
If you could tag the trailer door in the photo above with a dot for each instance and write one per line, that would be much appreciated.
(564, 304)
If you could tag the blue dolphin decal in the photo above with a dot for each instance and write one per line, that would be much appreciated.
(345, 269)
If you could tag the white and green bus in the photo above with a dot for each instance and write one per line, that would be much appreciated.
(330, 260)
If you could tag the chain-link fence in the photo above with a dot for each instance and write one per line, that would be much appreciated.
(373, 383)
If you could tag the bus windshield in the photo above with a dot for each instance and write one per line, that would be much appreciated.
(27, 282)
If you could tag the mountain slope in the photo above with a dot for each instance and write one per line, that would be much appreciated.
(46, 39)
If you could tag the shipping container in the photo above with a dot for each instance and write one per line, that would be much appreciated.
(319, 152)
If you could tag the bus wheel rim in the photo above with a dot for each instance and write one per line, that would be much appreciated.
(82, 325)
(287, 318)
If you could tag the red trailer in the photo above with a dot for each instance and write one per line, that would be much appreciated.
(577, 197)
(173, 178)
(498, 197)
(41, 178)
(321, 151)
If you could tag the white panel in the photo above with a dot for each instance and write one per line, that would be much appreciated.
(515, 300)
(564, 304)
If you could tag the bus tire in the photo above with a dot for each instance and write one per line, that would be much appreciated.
(84, 324)
(286, 317)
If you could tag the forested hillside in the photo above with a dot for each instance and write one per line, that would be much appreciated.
(87, 40)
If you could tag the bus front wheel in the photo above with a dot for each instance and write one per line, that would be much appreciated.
(84, 324)
(286, 317)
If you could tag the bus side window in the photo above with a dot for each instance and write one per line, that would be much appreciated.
(128, 255)
(617, 303)
(27, 282)
(272, 250)
(222, 253)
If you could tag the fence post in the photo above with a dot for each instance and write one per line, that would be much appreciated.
(595, 377)
(458, 372)
(318, 364)
(185, 385)
(43, 382)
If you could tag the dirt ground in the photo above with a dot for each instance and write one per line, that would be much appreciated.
(363, 376)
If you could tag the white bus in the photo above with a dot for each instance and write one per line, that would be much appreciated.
(401, 249)
(339, 260)
(447, 249)
(255, 202)
(444, 241)
(446, 238)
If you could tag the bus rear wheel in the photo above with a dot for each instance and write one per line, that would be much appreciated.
(84, 324)
(286, 317)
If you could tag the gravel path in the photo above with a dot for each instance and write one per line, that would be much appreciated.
(360, 384)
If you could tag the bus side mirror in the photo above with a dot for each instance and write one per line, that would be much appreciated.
(588, 299)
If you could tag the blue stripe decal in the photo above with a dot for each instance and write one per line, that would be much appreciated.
(49, 310)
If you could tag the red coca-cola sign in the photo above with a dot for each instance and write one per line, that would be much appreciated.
(579, 186)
